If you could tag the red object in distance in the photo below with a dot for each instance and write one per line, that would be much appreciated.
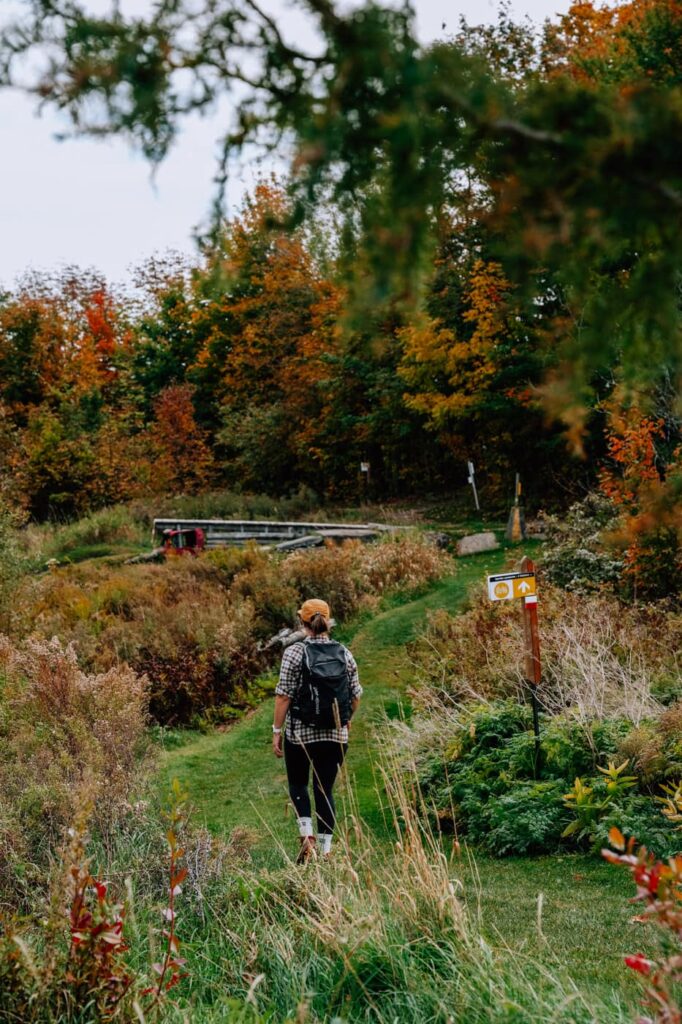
(183, 542)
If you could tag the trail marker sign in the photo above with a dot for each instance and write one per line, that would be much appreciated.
(505, 587)
(508, 585)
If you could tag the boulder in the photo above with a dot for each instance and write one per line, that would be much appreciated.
(476, 542)
(439, 540)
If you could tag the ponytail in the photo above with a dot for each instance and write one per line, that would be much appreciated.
(318, 624)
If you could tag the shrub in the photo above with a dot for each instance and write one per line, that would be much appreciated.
(332, 572)
(655, 749)
(577, 556)
(111, 527)
(73, 966)
(658, 890)
(528, 820)
(640, 817)
(600, 659)
(65, 734)
(273, 597)
(348, 574)
(302, 503)
(195, 627)
(174, 623)
(477, 770)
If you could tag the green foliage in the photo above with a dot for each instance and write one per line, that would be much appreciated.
(591, 803)
(524, 821)
(385, 126)
(484, 783)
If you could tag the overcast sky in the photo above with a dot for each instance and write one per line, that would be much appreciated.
(94, 204)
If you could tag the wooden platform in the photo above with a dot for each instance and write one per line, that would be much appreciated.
(236, 532)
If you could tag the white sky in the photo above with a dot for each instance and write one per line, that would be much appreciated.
(92, 203)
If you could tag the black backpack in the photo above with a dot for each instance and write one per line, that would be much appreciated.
(323, 697)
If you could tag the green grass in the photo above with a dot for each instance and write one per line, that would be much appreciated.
(569, 911)
(232, 775)
(582, 924)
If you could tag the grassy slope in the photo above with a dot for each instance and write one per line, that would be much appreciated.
(234, 781)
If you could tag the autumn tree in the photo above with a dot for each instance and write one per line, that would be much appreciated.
(473, 363)
(69, 406)
(183, 462)
(642, 476)
(167, 326)
(636, 42)
(576, 174)
(266, 319)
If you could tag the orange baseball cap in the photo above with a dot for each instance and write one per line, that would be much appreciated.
(313, 607)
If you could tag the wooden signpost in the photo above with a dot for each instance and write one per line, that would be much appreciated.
(516, 525)
(522, 585)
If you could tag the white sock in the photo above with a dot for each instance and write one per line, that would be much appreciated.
(324, 842)
(305, 826)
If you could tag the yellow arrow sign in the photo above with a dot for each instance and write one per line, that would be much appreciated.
(509, 585)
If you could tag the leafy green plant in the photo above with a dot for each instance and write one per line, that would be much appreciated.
(587, 808)
(482, 782)
(590, 803)
(672, 804)
(527, 820)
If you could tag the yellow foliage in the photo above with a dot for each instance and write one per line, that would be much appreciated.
(449, 374)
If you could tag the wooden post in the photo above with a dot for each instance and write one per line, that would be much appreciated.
(533, 666)
(516, 524)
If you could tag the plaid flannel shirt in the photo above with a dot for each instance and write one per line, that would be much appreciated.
(289, 680)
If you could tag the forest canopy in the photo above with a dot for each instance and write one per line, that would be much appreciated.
(503, 258)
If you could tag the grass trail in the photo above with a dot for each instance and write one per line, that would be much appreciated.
(234, 781)
(232, 776)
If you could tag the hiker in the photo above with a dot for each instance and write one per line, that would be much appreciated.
(317, 694)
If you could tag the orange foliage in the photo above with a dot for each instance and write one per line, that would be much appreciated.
(634, 460)
(184, 461)
(641, 483)
(590, 37)
(451, 374)
(269, 332)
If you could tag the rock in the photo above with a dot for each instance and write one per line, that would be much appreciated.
(439, 540)
(284, 638)
(536, 528)
(476, 542)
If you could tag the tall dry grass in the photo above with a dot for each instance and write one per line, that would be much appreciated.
(379, 933)
(195, 627)
(69, 738)
(600, 658)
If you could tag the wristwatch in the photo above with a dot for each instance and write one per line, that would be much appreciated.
(276, 729)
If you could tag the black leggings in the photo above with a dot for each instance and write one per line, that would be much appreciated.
(326, 757)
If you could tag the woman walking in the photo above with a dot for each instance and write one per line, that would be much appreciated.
(317, 694)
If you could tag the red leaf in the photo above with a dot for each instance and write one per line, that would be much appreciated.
(639, 963)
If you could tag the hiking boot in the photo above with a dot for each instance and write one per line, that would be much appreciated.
(308, 849)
